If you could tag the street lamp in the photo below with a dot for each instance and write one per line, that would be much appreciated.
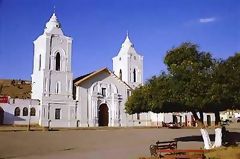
(29, 110)
(29, 115)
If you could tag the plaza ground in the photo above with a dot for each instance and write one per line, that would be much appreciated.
(101, 143)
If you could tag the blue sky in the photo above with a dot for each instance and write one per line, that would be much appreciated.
(98, 28)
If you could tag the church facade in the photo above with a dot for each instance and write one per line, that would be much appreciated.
(95, 99)
(99, 97)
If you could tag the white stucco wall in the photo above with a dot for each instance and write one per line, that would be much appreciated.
(9, 108)
(90, 98)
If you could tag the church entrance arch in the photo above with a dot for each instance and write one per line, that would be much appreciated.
(1, 115)
(103, 115)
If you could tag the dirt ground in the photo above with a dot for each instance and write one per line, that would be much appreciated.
(124, 143)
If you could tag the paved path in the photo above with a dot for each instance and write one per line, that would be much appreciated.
(125, 143)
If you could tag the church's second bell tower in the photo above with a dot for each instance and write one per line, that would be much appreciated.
(128, 64)
(52, 76)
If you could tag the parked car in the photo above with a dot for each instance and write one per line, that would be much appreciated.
(238, 120)
(173, 125)
(224, 123)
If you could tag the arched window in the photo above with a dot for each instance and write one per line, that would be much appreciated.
(120, 74)
(17, 111)
(58, 58)
(32, 112)
(58, 87)
(46, 84)
(40, 62)
(49, 63)
(25, 111)
(134, 75)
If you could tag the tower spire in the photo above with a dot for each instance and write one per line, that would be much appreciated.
(53, 25)
(127, 41)
(54, 9)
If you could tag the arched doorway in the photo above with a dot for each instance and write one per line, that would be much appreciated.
(1, 115)
(78, 123)
(103, 115)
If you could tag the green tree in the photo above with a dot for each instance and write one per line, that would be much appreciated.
(138, 101)
(193, 83)
(225, 88)
(192, 76)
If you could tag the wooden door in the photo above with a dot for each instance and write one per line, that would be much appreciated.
(103, 115)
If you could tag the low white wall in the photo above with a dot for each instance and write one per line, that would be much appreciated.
(9, 108)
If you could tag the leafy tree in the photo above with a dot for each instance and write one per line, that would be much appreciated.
(232, 76)
(138, 101)
(225, 88)
(195, 82)
(184, 88)
(192, 75)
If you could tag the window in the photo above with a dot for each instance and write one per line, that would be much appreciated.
(43, 112)
(58, 62)
(32, 112)
(49, 63)
(39, 62)
(25, 111)
(134, 75)
(17, 111)
(128, 93)
(58, 87)
(57, 113)
(104, 92)
(120, 74)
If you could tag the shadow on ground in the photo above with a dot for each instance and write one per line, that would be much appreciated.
(229, 138)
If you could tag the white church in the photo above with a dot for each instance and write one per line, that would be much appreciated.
(95, 99)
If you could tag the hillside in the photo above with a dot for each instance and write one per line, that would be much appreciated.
(15, 88)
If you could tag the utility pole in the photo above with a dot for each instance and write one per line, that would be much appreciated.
(29, 115)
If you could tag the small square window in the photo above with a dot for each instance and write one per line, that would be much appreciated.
(57, 113)
(104, 92)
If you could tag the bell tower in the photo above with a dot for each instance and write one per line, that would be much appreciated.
(52, 76)
(128, 64)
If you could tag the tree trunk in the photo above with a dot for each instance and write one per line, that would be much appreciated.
(201, 116)
(199, 122)
(218, 131)
(218, 138)
(205, 135)
(206, 139)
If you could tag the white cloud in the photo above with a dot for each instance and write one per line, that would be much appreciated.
(207, 20)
